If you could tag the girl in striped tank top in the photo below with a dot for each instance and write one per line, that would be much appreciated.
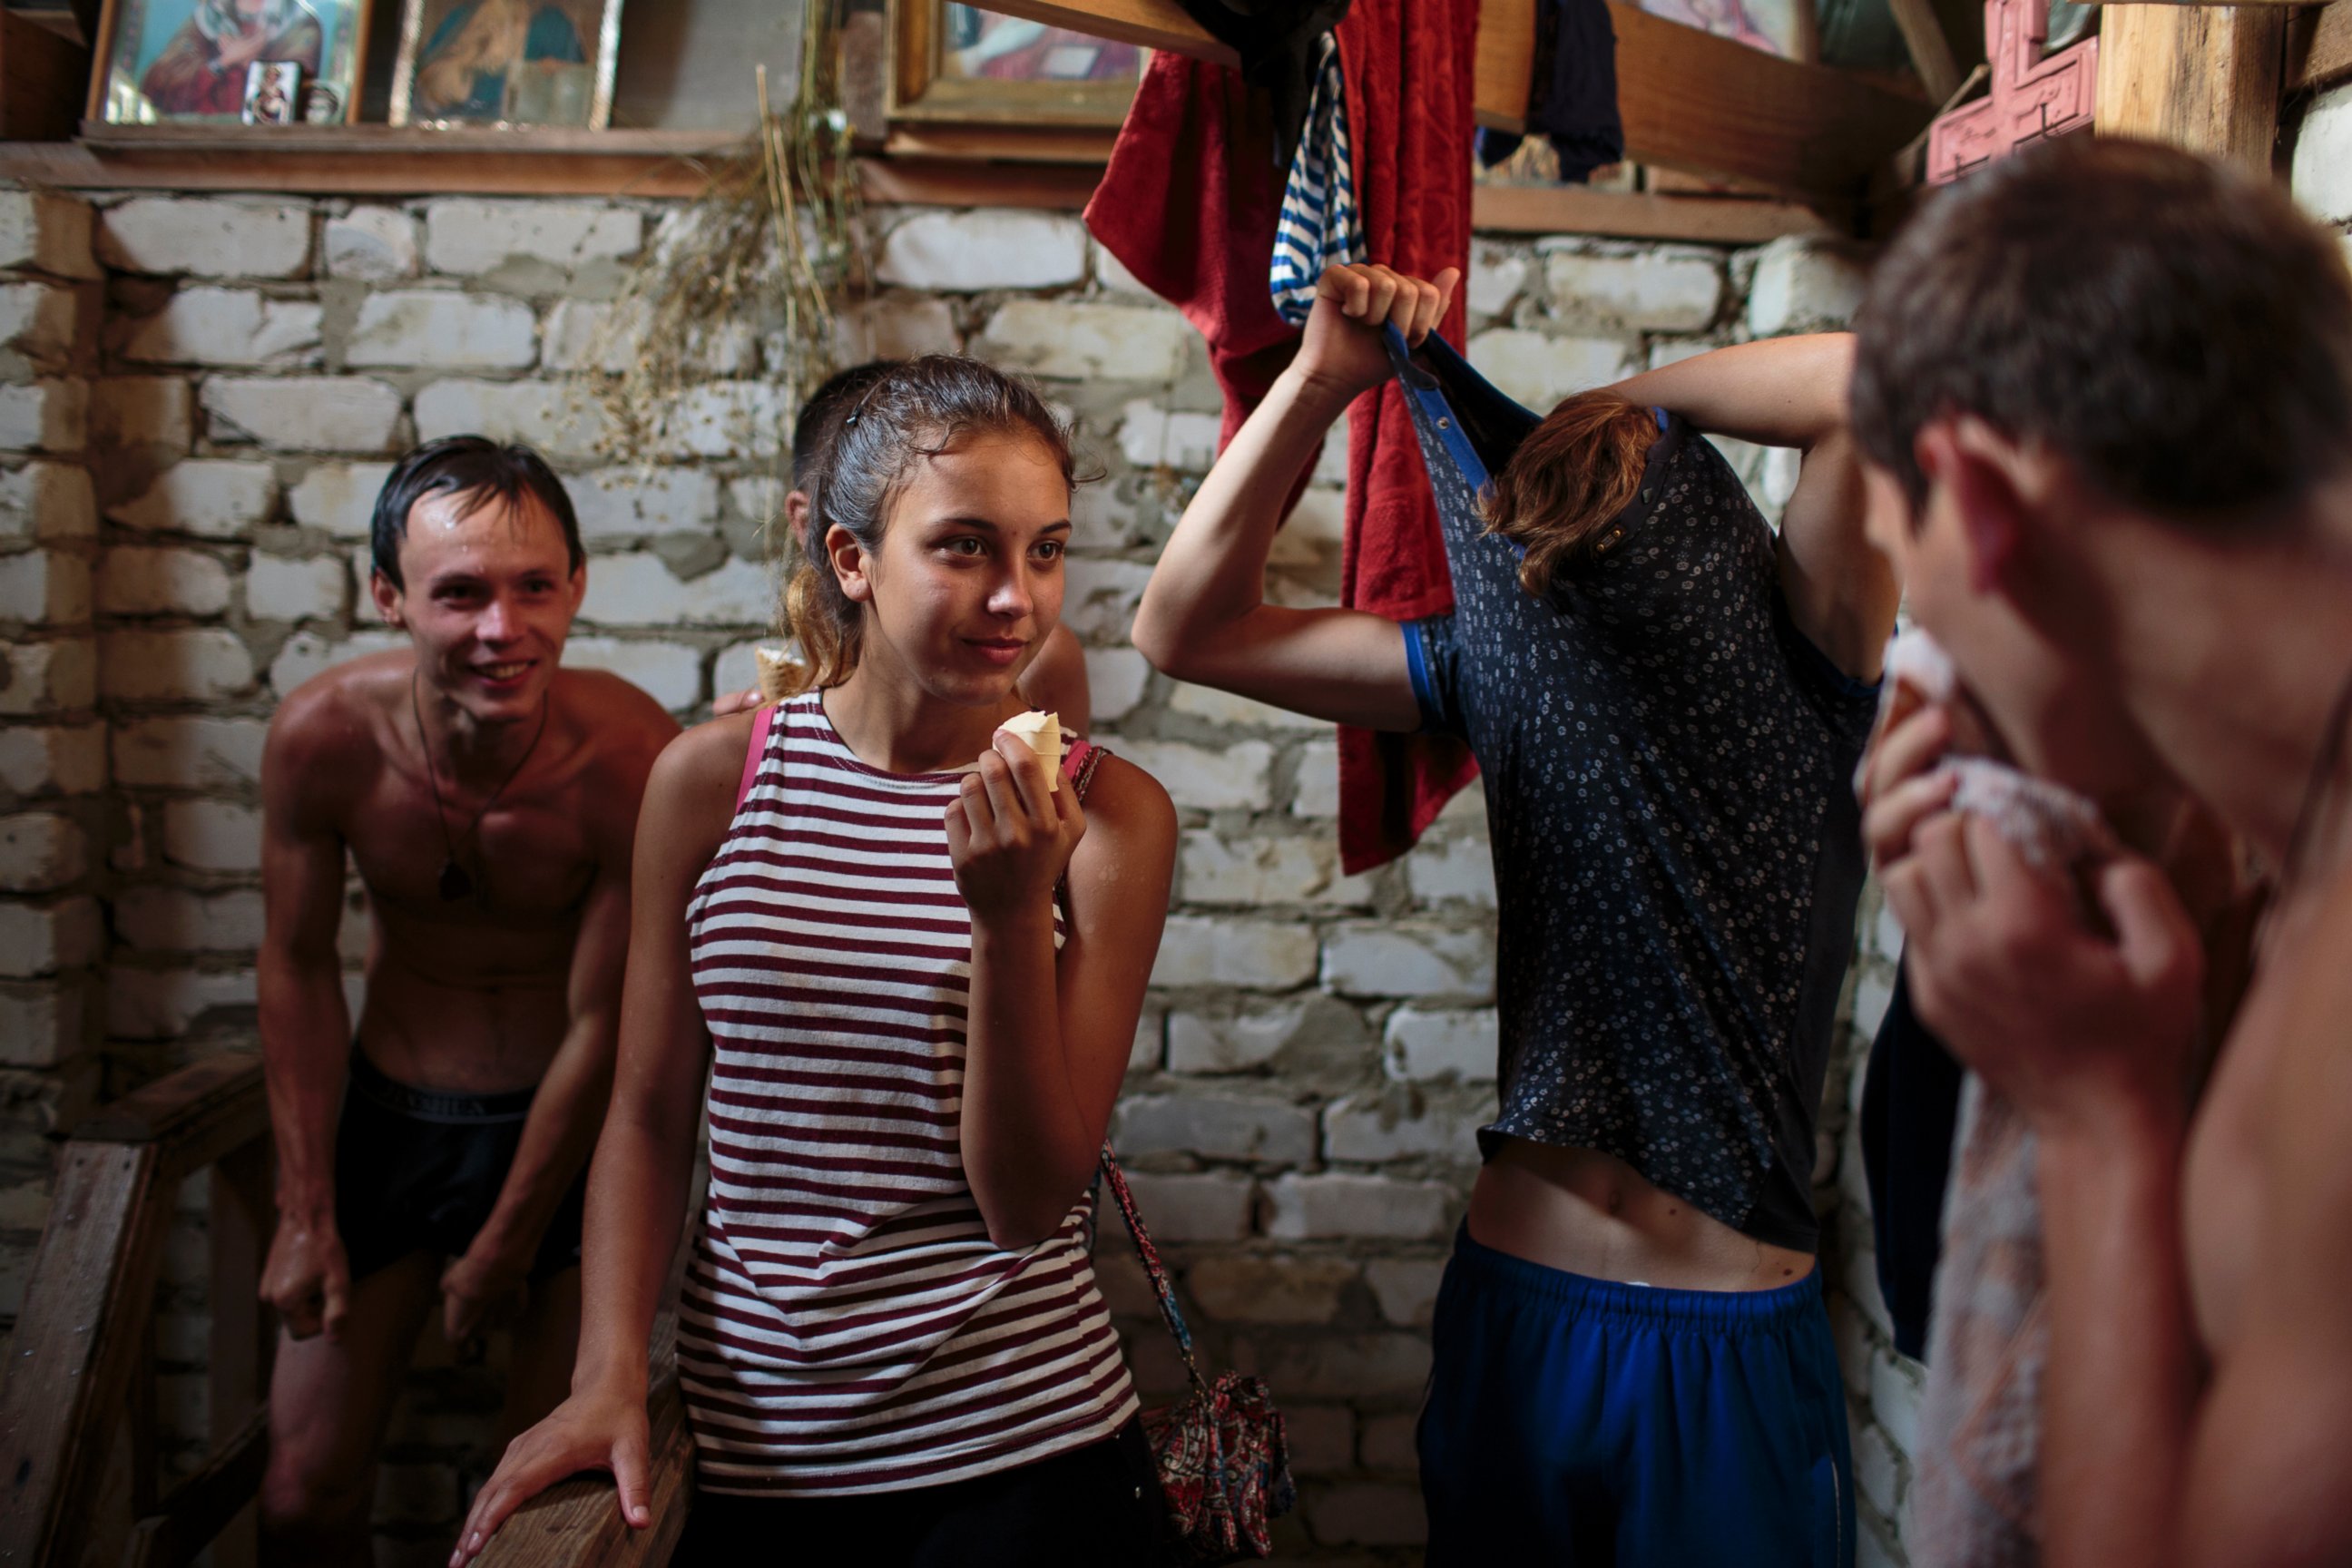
(912, 980)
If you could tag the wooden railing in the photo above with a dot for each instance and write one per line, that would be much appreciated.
(578, 1524)
(78, 1478)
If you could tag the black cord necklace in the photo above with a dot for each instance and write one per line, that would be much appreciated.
(456, 881)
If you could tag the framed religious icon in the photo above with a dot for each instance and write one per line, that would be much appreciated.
(505, 62)
(954, 62)
(234, 61)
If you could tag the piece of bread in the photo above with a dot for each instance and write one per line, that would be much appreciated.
(1042, 733)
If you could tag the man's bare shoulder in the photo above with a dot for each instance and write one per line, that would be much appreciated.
(2311, 1083)
(334, 720)
(624, 727)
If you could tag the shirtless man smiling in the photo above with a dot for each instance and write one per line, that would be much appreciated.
(435, 1157)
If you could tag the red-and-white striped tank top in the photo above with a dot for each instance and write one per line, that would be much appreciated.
(846, 1325)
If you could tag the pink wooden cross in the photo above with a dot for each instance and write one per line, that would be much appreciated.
(2032, 97)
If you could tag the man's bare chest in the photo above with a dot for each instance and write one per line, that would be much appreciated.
(525, 862)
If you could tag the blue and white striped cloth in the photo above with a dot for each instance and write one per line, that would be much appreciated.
(1318, 227)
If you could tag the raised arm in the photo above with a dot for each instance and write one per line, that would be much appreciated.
(1791, 392)
(644, 1157)
(306, 1030)
(1204, 617)
(1048, 1036)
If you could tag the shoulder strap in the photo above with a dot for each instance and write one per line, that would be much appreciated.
(1169, 1313)
(758, 748)
(1079, 765)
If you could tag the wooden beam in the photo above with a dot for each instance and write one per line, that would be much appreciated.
(1689, 100)
(1626, 215)
(2199, 76)
(1930, 50)
(2319, 47)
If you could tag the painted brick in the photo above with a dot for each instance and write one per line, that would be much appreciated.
(165, 1004)
(468, 236)
(211, 498)
(145, 582)
(640, 502)
(1539, 369)
(281, 589)
(1408, 960)
(1210, 1207)
(1317, 790)
(372, 243)
(1895, 1396)
(194, 665)
(1651, 290)
(38, 319)
(967, 251)
(639, 590)
(1267, 871)
(600, 335)
(1322, 1437)
(1099, 597)
(47, 233)
(1876, 1473)
(39, 1027)
(1215, 1126)
(1376, 1127)
(1406, 1289)
(175, 920)
(1150, 437)
(1342, 1206)
(1151, 1032)
(726, 419)
(145, 411)
(1199, 1043)
(207, 236)
(670, 673)
(212, 835)
(223, 326)
(40, 677)
(306, 413)
(444, 331)
(192, 751)
(41, 852)
(1087, 342)
(894, 326)
(337, 496)
(1803, 285)
(560, 421)
(1421, 1047)
(47, 504)
(1389, 1444)
(1266, 956)
(1236, 713)
(1457, 870)
(310, 653)
(1198, 779)
(45, 587)
(737, 667)
(40, 760)
(1115, 678)
(1378, 1365)
(1497, 275)
(759, 498)
(1365, 1513)
(1252, 1288)
(45, 416)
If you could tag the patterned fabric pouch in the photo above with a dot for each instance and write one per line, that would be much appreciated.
(1224, 1465)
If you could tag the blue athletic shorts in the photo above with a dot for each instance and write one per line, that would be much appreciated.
(1573, 1421)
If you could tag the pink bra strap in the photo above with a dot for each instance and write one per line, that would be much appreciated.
(760, 726)
(1073, 759)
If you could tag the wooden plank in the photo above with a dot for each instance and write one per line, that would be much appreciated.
(200, 1507)
(41, 77)
(195, 1115)
(577, 1524)
(1691, 100)
(1154, 24)
(237, 1230)
(2197, 77)
(87, 1308)
(2319, 47)
(1626, 215)
(1930, 50)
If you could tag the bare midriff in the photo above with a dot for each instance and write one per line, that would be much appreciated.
(1593, 1214)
